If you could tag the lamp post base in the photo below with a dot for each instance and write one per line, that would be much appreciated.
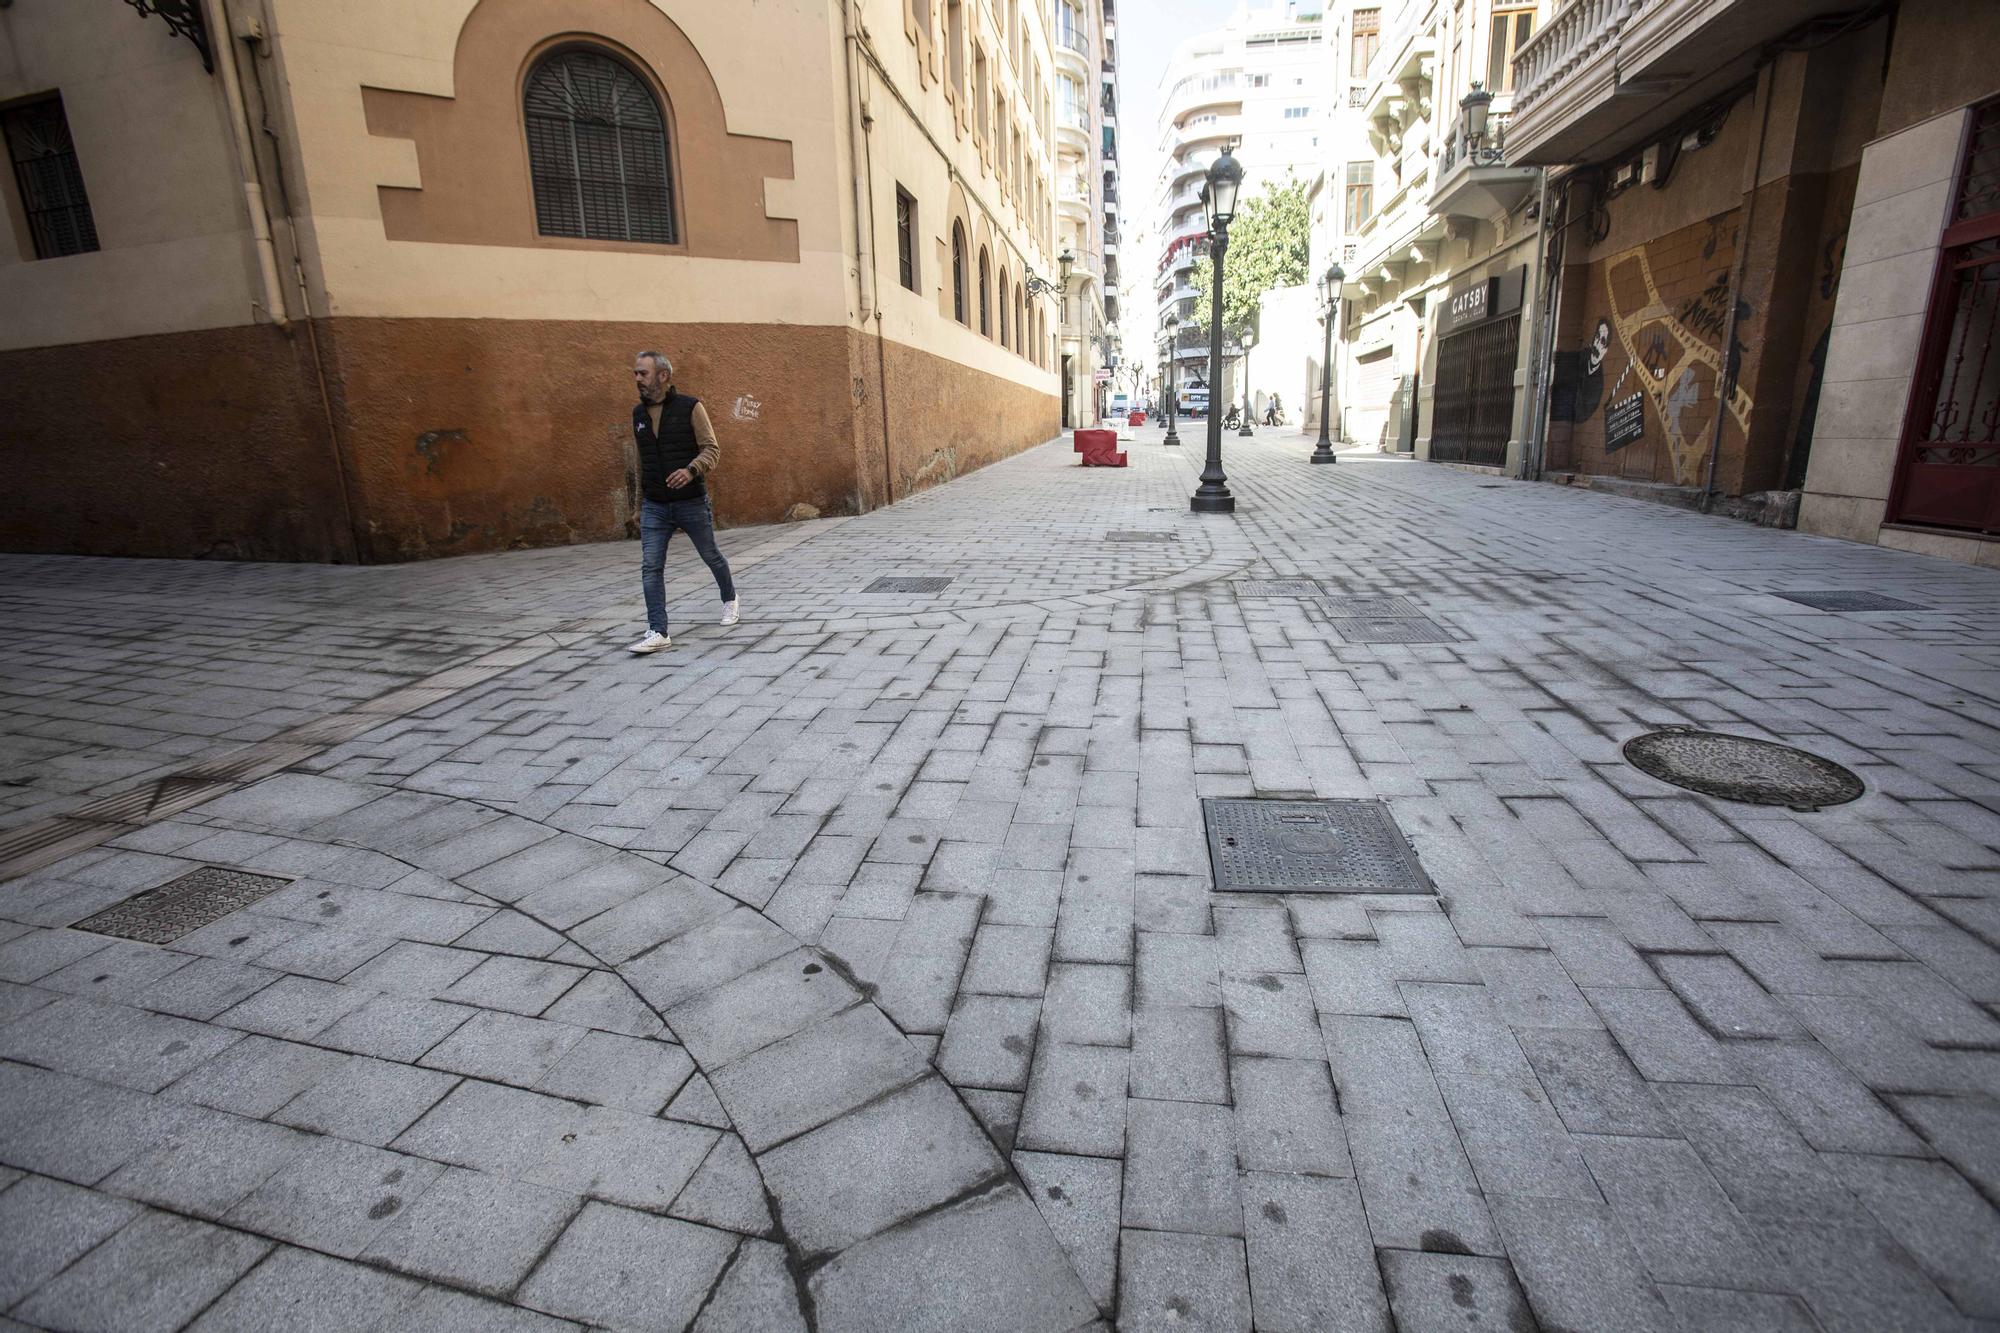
(1224, 503)
(1171, 437)
(1323, 452)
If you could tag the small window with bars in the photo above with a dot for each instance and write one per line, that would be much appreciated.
(598, 151)
(906, 238)
(49, 178)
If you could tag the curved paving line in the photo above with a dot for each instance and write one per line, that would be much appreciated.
(895, 1207)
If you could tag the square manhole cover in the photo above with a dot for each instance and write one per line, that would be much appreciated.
(1390, 629)
(174, 909)
(1142, 536)
(1278, 588)
(1370, 607)
(1850, 601)
(1309, 847)
(908, 585)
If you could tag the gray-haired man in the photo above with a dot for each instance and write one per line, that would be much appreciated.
(677, 451)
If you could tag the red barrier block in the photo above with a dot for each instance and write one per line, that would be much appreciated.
(1099, 448)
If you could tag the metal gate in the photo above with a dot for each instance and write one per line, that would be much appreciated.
(1475, 394)
(1948, 464)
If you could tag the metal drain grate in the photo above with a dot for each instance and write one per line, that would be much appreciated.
(1372, 608)
(1277, 588)
(1850, 601)
(1142, 536)
(1742, 768)
(1390, 629)
(180, 906)
(1309, 847)
(908, 585)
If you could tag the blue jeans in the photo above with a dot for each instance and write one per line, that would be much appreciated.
(657, 521)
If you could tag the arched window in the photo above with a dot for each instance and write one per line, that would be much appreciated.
(1003, 305)
(597, 151)
(958, 311)
(1020, 305)
(985, 294)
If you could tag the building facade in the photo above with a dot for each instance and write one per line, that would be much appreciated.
(1253, 86)
(1086, 145)
(364, 282)
(1438, 233)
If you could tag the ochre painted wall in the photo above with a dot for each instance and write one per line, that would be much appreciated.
(459, 436)
(202, 443)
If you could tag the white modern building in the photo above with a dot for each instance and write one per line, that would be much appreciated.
(1084, 37)
(1257, 85)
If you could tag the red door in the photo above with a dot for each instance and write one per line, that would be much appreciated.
(1948, 464)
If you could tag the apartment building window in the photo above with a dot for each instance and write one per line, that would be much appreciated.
(1511, 30)
(958, 272)
(1005, 288)
(50, 179)
(985, 287)
(982, 98)
(954, 40)
(597, 151)
(1297, 112)
(1364, 41)
(906, 238)
(1360, 193)
(1259, 80)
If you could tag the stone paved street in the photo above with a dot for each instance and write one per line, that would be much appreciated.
(859, 967)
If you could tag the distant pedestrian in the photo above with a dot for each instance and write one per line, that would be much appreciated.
(677, 451)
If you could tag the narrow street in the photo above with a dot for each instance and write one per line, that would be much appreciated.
(860, 967)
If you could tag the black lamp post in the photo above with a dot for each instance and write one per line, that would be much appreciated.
(1329, 288)
(1248, 339)
(1218, 204)
(1173, 392)
(1475, 106)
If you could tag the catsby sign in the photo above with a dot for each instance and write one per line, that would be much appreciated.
(1481, 299)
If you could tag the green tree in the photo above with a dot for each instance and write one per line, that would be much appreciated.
(1268, 247)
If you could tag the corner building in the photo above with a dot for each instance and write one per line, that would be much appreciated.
(364, 281)
(1765, 263)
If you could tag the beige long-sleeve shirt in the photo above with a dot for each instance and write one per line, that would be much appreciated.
(710, 452)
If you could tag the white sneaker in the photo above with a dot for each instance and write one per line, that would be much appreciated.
(652, 643)
(729, 616)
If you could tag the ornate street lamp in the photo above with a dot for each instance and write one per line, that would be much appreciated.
(1218, 205)
(1473, 107)
(1173, 393)
(1329, 291)
(1248, 339)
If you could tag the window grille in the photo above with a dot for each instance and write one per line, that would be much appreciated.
(906, 239)
(958, 272)
(597, 151)
(50, 179)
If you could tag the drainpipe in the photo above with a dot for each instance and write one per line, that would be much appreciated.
(246, 164)
(1548, 279)
(1767, 83)
(867, 276)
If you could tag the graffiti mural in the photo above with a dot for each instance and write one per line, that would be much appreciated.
(1663, 341)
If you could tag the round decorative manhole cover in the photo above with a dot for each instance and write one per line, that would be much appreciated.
(1741, 768)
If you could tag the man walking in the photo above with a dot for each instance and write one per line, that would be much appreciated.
(677, 451)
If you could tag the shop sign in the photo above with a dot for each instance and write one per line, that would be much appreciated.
(1481, 299)
(1624, 422)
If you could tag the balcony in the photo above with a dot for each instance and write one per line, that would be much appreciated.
(1605, 75)
(1073, 129)
(1479, 184)
(1073, 49)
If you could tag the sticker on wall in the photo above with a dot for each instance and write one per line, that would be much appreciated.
(747, 408)
(1624, 422)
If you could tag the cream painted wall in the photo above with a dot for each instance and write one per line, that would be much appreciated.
(1901, 199)
(153, 143)
(771, 63)
(925, 153)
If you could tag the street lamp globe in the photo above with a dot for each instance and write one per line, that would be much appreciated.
(1225, 178)
(1474, 104)
(1065, 261)
(1329, 284)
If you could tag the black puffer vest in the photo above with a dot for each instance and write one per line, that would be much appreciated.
(672, 449)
